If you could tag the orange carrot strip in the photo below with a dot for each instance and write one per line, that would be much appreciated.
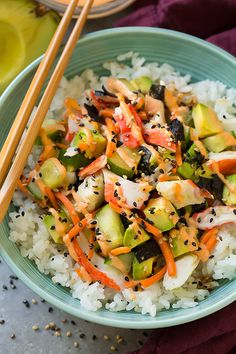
(208, 234)
(120, 250)
(94, 273)
(156, 277)
(110, 149)
(168, 255)
(51, 197)
(77, 228)
(69, 206)
(211, 243)
(22, 188)
(131, 283)
(178, 155)
(61, 146)
(150, 228)
(106, 112)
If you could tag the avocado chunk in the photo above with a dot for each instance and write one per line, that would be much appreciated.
(219, 142)
(142, 83)
(119, 166)
(24, 36)
(92, 150)
(133, 239)
(75, 162)
(204, 171)
(53, 173)
(142, 270)
(49, 222)
(161, 213)
(183, 241)
(110, 226)
(206, 121)
(186, 170)
(229, 197)
(35, 190)
(148, 161)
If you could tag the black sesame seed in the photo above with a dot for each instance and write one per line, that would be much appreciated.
(186, 242)
(194, 244)
(26, 303)
(52, 227)
(234, 211)
(5, 287)
(161, 170)
(23, 213)
(40, 174)
(73, 322)
(82, 335)
(211, 219)
(65, 254)
(95, 192)
(212, 256)
(2, 322)
(50, 309)
(17, 216)
(135, 204)
(72, 239)
(199, 220)
(94, 222)
(117, 184)
(126, 278)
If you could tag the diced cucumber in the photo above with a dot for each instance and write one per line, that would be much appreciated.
(122, 262)
(75, 162)
(53, 173)
(193, 155)
(119, 166)
(133, 239)
(49, 222)
(35, 190)
(142, 83)
(111, 227)
(229, 197)
(142, 270)
(91, 191)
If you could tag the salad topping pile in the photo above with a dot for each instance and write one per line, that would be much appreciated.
(136, 183)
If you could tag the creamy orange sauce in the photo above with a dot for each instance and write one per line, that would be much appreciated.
(82, 2)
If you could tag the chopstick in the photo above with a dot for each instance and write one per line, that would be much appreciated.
(33, 92)
(19, 162)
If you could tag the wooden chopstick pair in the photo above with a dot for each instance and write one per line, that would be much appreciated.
(9, 181)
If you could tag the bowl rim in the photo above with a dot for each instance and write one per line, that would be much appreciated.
(94, 316)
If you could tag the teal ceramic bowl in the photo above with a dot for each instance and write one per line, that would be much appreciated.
(188, 55)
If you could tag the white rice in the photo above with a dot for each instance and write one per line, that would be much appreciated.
(30, 234)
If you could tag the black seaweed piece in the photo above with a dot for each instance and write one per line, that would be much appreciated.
(213, 185)
(217, 187)
(125, 221)
(177, 129)
(147, 250)
(144, 164)
(157, 91)
(196, 208)
(107, 92)
(93, 113)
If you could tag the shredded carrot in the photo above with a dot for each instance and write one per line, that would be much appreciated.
(51, 197)
(72, 105)
(94, 273)
(178, 155)
(120, 250)
(91, 244)
(131, 283)
(48, 150)
(168, 255)
(211, 243)
(143, 115)
(139, 103)
(155, 278)
(106, 113)
(69, 206)
(61, 146)
(110, 149)
(149, 228)
(77, 228)
(208, 234)
(163, 177)
(22, 188)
